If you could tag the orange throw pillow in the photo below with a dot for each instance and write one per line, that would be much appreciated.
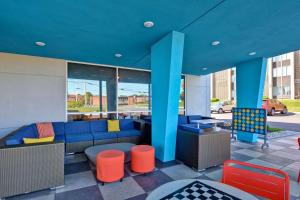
(45, 129)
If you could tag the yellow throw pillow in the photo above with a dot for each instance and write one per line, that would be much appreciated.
(113, 125)
(37, 140)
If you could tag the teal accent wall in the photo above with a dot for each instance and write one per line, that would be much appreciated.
(250, 80)
(166, 66)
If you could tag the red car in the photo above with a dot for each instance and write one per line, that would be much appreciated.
(273, 105)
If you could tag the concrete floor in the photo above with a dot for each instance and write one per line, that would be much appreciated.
(290, 121)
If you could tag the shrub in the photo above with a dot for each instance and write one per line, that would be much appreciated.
(75, 104)
(215, 100)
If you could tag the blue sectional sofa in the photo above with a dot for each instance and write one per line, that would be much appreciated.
(184, 123)
(79, 135)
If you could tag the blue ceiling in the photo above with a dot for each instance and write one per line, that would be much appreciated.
(94, 30)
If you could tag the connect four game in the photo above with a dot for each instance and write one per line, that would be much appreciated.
(251, 120)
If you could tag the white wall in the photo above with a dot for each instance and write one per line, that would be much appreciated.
(32, 89)
(198, 95)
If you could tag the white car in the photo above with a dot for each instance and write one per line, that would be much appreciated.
(221, 106)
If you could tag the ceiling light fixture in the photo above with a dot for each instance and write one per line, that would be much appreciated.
(204, 68)
(148, 24)
(118, 55)
(252, 53)
(41, 44)
(215, 43)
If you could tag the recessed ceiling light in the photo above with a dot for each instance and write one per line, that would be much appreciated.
(252, 53)
(118, 55)
(148, 24)
(204, 68)
(41, 44)
(215, 43)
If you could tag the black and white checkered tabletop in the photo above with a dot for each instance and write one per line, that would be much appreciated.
(198, 191)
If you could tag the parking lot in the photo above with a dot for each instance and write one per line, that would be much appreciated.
(289, 121)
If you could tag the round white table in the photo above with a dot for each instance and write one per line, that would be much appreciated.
(173, 186)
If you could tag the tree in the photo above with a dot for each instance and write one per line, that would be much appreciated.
(88, 97)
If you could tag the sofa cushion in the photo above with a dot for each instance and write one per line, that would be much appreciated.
(113, 125)
(104, 135)
(38, 140)
(129, 133)
(182, 119)
(194, 128)
(29, 131)
(59, 138)
(194, 117)
(187, 127)
(78, 127)
(59, 128)
(45, 129)
(78, 137)
(126, 124)
(98, 126)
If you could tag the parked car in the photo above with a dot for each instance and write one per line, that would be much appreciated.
(273, 105)
(221, 106)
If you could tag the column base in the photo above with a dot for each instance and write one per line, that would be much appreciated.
(247, 137)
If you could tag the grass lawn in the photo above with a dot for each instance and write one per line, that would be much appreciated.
(84, 109)
(273, 129)
(292, 105)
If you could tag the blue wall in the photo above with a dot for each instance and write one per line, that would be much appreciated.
(166, 66)
(250, 80)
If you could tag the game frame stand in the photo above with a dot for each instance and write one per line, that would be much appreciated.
(261, 123)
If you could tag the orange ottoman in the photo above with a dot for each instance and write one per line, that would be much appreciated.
(142, 158)
(110, 166)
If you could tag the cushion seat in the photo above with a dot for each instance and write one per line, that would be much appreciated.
(25, 132)
(128, 133)
(194, 127)
(104, 135)
(59, 138)
(79, 137)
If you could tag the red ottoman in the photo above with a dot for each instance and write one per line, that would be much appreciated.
(110, 166)
(142, 158)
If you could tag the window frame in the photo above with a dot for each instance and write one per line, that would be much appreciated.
(117, 112)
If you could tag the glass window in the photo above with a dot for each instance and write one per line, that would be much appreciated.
(279, 71)
(133, 92)
(286, 90)
(274, 72)
(182, 96)
(91, 89)
(284, 71)
(288, 70)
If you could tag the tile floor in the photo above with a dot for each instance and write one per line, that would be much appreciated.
(81, 184)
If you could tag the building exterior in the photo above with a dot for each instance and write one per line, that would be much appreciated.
(223, 84)
(282, 79)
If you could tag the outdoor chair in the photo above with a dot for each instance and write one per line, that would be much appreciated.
(258, 180)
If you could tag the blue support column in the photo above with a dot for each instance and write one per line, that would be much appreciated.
(250, 79)
(166, 66)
